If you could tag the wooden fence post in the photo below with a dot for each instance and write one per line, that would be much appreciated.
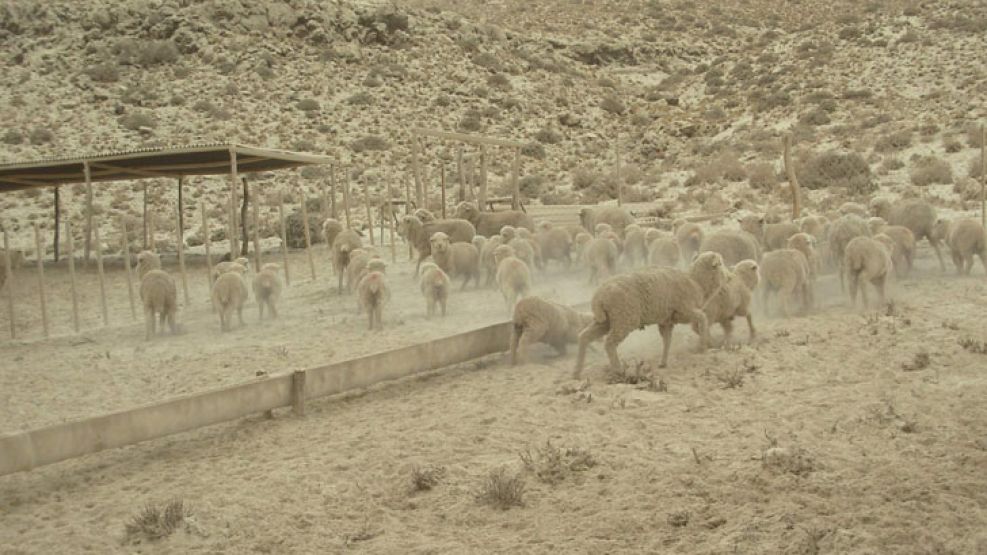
(102, 277)
(332, 191)
(207, 241)
(442, 185)
(417, 170)
(298, 392)
(10, 282)
(308, 237)
(58, 224)
(793, 182)
(258, 259)
(346, 200)
(370, 218)
(75, 295)
(620, 181)
(983, 175)
(127, 266)
(234, 183)
(390, 226)
(516, 180)
(89, 211)
(482, 200)
(181, 254)
(40, 255)
(284, 238)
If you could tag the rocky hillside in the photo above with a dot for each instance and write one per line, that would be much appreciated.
(699, 94)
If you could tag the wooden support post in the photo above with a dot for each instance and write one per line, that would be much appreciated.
(417, 170)
(150, 233)
(181, 204)
(102, 278)
(284, 239)
(207, 241)
(258, 260)
(793, 182)
(75, 294)
(332, 191)
(244, 211)
(370, 217)
(298, 392)
(515, 180)
(58, 224)
(180, 243)
(390, 225)
(234, 182)
(10, 283)
(89, 210)
(442, 185)
(40, 255)
(620, 179)
(983, 175)
(407, 211)
(144, 199)
(380, 202)
(346, 200)
(308, 238)
(482, 200)
(461, 195)
(128, 266)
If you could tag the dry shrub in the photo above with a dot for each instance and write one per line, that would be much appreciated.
(845, 170)
(154, 522)
(370, 142)
(103, 73)
(40, 135)
(552, 464)
(725, 166)
(789, 460)
(308, 105)
(929, 170)
(612, 104)
(896, 140)
(974, 137)
(761, 175)
(501, 489)
(135, 120)
(426, 477)
(976, 167)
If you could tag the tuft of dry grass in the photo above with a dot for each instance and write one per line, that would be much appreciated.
(552, 464)
(426, 477)
(154, 522)
(501, 489)
(846, 170)
(920, 361)
(972, 345)
(929, 170)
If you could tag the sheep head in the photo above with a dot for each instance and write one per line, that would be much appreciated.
(439, 242)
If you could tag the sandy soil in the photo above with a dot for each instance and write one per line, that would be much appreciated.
(889, 459)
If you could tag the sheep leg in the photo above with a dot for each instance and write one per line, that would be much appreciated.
(958, 262)
(171, 322)
(379, 315)
(591, 333)
(532, 333)
(879, 283)
(239, 314)
(260, 308)
(863, 293)
(727, 326)
(665, 330)
(515, 340)
(983, 263)
(967, 264)
(370, 317)
(272, 309)
(149, 322)
(339, 287)
(161, 321)
(610, 344)
(752, 333)
(935, 246)
(852, 279)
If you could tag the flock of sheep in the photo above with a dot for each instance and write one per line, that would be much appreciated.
(681, 276)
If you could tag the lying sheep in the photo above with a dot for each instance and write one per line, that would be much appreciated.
(223, 267)
(159, 297)
(555, 244)
(806, 244)
(635, 246)
(418, 234)
(785, 272)
(771, 236)
(615, 216)
(664, 251)
(626, 303)
(147, 261)
(489, 223)
(487, 260)
(733, 246)
(331, 228)
(841, 232)
(536, 320)
(434, 285)
(689, 236)
(456, 259)
(917, 215)
(346, 242)
(373, 293)
(727, 294)
(229, 293)
(601, 258)
(513, 276)
(866, 260)
(267, 289)
(965, 239)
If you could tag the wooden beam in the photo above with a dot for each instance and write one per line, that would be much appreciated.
(516, 180)
(258, 261)
(145, 237)
(620, 180)
(473, 139)
(184, 169)
(102, 277)
(416, 168)
(180, 244)
(442, 185)
(207, 241)
(983, 176)
(332, 192)
(140, 172)
(307, 233)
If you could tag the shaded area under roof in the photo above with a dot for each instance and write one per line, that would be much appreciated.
(197, 159)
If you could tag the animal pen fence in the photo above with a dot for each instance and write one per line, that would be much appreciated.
(165, 162)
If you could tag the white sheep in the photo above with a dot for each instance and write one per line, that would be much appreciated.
(345, 242)
(786, 273)
(159, 297)
(537, 320)
(147, 261)
(866, 260)
(373, 294)
(267, 289)
(965, 239)
(434, 285)
(727, 294)
(229, 293)
(601, 258)
(513, 276)
(456, 259)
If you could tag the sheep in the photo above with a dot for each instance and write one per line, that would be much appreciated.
(356, 268)
(615, 239)
(866, 259)
(727, 294)
(841, 232)
(854, 208)
(814, 226)
(424, 215)
(508, 232)
(601, 228)
(229, 292)
(615, 216)
(345, 243)
(434, 285)
(902, 242)
(267, 289)
(456, 259)
(749, 272)
(664, 251)
(965, 239)
(917, 215)
(580, 242)
(525, 235)
(555, 244)
(536, 320)
(487, 261)
(479, 241)
(651, 235)
(689, 237)
(805, 243)
(159, 297)
(630, 302)
(513, 276)
(733, 246)
(223, 267)
(373, 293)
(419, 234)
(523, 250)
(489, 223)
(635, 246)
(601, 258)
(331, 227)
(771, 236)
(786, 272)
(875, 225)
(147, 261)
